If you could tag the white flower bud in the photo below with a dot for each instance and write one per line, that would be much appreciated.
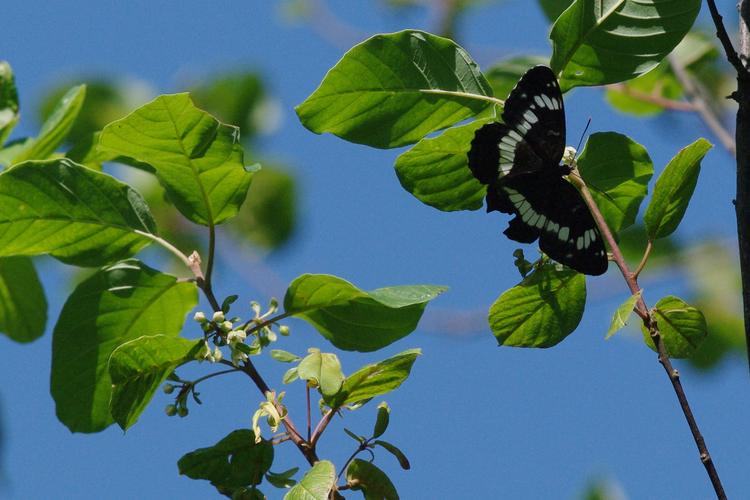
(236, 336)
(200, 317)
(218, 316)
(226, 326)
(218, 355)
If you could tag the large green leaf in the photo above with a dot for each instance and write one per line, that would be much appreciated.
(8, 101)
(673, 190)
(382, 93)
(138, 367)
(316, 484)
(617, 169)
(373, 482)
(355, 320)
(23, 307)
(596, 42)
(235, 461)
(115, 305)
(682, 327)
(197, 159)
(541, 310)
(77, 215)
(375, 379)
(436, 170)
(55, 129)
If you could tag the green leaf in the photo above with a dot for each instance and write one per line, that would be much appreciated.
(436, 170)
(383, 418)
(375, 379)
(56, 128)
(553, 8)
(617, 169)
(504, 75)
(673, 190)
(354, 320)
(8, 101)
(393, 450)
(138, 367)
(282, 479)
(682, 327)
(622, 314)
(116, 304)
(541, 310)
(596, 42)
(317, 483)
(284, 356)
(635, 96)
(197, 159)
(323, 369)
(232, 463)
(75, 214)
(372, 481)
(290, 375)
(268, 217)
(23, 307)
(384, 92)
(359, 439)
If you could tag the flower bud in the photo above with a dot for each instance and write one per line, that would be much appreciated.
(182, 411)
(170, 410)
(226, 326)
(218, 316)
(284, 330)
(200, 317)
(218, 355)
(168, 388)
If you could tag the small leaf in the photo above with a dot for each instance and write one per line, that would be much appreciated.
(381, 423)
(540, 311)
(227, 303)
(617, 169)
(375, 95)
(282, 479)
(55, 129)
(524, 266)
(23, 307)
(138, 367)
(375, 379)
(595, 43)
(324, 369)
(234, 462)
(355, 320)
(290, 376)
(284, 356)
(673, 190)
(682, 327)
(355, 437)
(436, 170)
(402, 460)
(197, 159)
(8, 101)
(77, 215)
(373, 482)
(622, 314)
(316, 484)
(116, 304)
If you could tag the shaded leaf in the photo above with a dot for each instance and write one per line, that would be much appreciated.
(617, 169)
(609, 41)
(372, 481)
(375, 379)
(232, 463)
(197, 159)
(8, 101)
(622, 314)
(316, 484)
(116, 304)
(504, 75)
(381, 422)
(138, 367)
(673, 190)
(282, 479)
(393, 450)
(75, 214)
(541, 310)
(355, 320)
(436, 170)
(375, 95)
(23, 307)
(682, 327)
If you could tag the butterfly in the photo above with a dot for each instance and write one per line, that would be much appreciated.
(519, 160)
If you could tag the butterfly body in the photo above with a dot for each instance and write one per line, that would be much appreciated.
(520, 161)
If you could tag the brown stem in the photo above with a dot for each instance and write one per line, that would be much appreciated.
(321, 427)
(653, 99)
(650, 324)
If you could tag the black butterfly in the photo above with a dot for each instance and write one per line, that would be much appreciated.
(520, 162)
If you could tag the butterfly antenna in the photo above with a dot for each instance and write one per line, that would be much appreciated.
(583, 134)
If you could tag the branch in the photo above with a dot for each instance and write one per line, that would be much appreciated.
(321, 427)
(650, 323)
(657, 100)
(723, 36)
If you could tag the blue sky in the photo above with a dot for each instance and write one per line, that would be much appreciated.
(476, 420)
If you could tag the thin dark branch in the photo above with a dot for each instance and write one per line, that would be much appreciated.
(650, 323)
(309, 425)
(211, 252)
(723, 36)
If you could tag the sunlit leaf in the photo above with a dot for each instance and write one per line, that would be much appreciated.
(682, 327)
(316, 484)
(622, 314)
(375, 95)
(323, 369)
